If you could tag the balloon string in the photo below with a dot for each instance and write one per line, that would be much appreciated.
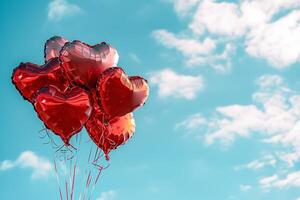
(97, 157)
(100, 168)
(73, 181)
(50, 139)
(57, 178)
(75, 166)
(93, 162)
(70, 163)
(66, 178)
(87, 184)
(53, 143)
(85, 174)
(67, 193)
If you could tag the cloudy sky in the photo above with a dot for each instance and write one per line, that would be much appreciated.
(223, 117)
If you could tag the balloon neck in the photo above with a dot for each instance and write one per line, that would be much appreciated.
(106, 157)
(66, 141)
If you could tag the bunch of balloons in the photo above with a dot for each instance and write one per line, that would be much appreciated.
(81, 86)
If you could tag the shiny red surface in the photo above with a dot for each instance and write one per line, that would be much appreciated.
(83, 63)
(29, 78)
(63, 113)
(108, 133)
(120, 94)
(80, 86)
(53, 46)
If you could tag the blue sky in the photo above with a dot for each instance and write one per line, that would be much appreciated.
(222, 119)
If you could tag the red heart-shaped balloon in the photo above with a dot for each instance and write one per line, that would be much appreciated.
(83, 63)
(120, 94)
(53, 46)
(109, 133)
(29, 78)
(63, 113)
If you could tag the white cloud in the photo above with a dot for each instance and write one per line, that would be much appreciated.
(219, 18)
(290, 158)
(270, 81)
(277, 42)
(267, 29)
(274, 112)
(6, 165)
(265, 161)
(183, 7)
(267, 182)
(171, 84)
(196, 52)
(58, 9)
(245, 188)
(192, 122)
(290, 180)
(109, 195)
(190, 48)
(274, 116)
(41, 167)
(235, 19)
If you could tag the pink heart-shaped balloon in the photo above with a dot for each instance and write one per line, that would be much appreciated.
(120, 94)
(84, 63)
(29, 78)
(53, 46)
(63, 113)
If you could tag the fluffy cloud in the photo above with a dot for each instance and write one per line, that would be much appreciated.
(277, 42)
(290, 180)
(267, 29)
(6, 165)
(267, 182)
(274, 112)
(193, 122)
(219, 18)
(171, 84)
(196, 52)
(41, 167)
(58, 9)
(265, 161)
(190, 48)
(274, 115)
(109, 195)
(183, 7)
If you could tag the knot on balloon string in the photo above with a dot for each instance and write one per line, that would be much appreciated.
(66, 152)
(100, 167)
(98, 156)
(95, 161)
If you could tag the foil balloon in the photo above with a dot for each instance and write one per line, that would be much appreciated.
(111, 134)
(84, 63)
(108, 133)
(80, 86)
(53, 46)
(63, 113)
(29, 78)
(120, 94)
